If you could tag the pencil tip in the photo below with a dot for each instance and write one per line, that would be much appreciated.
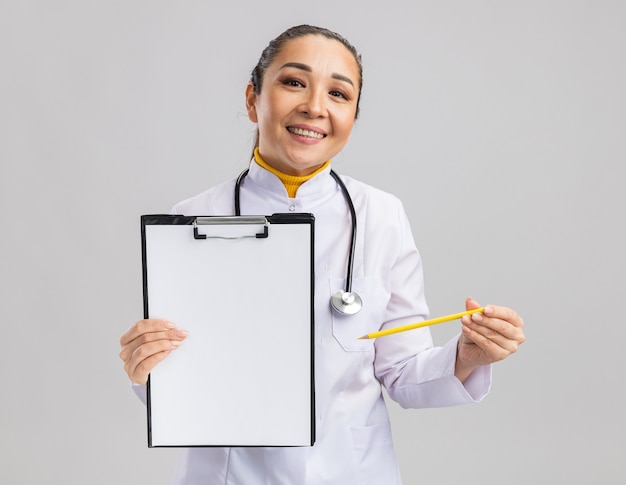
(363, 337)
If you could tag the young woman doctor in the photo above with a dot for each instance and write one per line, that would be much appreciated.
(304, 97)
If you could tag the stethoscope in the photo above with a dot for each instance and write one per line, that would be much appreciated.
(346, 302)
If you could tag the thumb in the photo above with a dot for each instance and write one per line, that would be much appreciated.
(470, 303)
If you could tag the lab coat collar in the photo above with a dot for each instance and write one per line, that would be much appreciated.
(313, 187)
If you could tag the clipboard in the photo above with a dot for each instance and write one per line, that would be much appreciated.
(243, 287)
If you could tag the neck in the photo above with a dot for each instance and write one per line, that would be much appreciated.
(291, 182)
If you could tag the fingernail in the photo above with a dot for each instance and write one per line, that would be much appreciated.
(169, 325)
(182, 334)
(175, 343)
(488, 310)
(477, 317)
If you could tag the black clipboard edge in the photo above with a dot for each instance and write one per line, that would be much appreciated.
(153, 219)
(276, 218)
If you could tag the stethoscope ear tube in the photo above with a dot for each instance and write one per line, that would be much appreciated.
(237, 190)
(345, 301)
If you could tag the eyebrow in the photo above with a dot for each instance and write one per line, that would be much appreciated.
(304, 67)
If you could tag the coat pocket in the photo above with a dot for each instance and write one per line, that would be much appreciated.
(348, 328)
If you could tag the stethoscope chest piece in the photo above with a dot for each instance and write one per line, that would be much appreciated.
(346, 302)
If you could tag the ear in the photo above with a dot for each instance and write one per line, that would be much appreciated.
(251, 103)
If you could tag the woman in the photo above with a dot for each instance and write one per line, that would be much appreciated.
(304, 96)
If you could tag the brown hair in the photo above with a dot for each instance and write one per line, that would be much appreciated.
(273, 48)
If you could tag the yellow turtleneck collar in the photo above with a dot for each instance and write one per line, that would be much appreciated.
(291, 182)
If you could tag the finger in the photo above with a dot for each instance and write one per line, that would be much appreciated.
(145, 326)
(499, 331)
(494, 348)
(504, 313)
(171, 335)
(142, 370)
(471, 304)
(493, 326)
(497, 320)
(146, 356)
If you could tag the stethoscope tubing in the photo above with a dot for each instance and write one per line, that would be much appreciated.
(353, 237)
(237, 191)
(346, 194)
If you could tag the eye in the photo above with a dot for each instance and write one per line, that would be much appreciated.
(338, 94)
(293, 82)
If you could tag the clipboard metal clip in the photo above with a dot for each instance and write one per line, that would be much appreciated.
(231, 220)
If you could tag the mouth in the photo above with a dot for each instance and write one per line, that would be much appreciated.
(306, 133)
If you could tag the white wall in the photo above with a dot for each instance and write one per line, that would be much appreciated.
(500, 124)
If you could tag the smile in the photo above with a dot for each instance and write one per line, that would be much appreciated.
(307, 133)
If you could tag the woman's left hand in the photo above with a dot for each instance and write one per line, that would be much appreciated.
(487, 337)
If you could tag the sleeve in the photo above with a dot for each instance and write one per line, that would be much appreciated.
(141, 391)
(415, 373)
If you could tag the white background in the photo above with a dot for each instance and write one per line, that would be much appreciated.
(500, 124)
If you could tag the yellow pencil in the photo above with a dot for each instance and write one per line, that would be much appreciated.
(425, 323)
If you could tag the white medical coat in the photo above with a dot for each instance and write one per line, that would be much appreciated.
(353, 434)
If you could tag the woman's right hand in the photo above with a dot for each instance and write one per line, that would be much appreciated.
(147, 343)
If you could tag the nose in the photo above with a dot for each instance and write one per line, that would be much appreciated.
(314, 103)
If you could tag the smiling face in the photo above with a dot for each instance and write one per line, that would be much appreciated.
(307, 104)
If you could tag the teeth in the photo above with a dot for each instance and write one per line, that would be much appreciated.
(308, 133)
